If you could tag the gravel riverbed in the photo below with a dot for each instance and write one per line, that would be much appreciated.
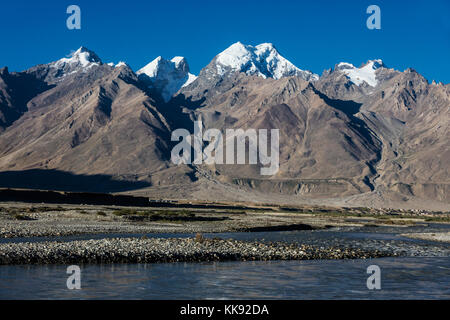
(436, 236)
(132, 250)
(62, 235)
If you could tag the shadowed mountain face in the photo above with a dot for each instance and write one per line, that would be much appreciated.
(353, 131)
(16, 89)
(94, 119)
(64, 181)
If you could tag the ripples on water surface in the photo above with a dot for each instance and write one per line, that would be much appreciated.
(402, 278)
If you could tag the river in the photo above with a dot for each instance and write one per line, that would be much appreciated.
(422, 273)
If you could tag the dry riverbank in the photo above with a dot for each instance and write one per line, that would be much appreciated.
(168, 250)
(441, 237)
(109, 234)
(24, 220)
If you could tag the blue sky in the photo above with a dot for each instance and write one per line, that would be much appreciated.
(314, 35)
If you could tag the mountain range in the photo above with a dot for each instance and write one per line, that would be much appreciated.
(365, 136)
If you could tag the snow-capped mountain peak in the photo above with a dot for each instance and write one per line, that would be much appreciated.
(79, 61)
(366, 73)
(167, 76)
(83, 57)
(152, 68)
(262, 60)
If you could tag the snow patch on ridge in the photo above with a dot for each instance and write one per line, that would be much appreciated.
(120, 64)
(191, 78)
(366, 73)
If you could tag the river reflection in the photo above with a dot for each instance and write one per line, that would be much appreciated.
(402, 278)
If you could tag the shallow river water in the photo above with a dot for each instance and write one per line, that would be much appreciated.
(401, 278)
(422, 273)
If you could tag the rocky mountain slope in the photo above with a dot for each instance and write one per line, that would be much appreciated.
(369, 135)
(95, 119)
(411, 119)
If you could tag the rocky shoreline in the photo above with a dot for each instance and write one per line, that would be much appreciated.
(133, 250)
(93, 234)
(435, 236)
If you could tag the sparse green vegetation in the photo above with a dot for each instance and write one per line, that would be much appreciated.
(44, 209)
(163, 215)
(438, 219)
(397, 222)
(391, 217)
(22, 217)
(11, 211)
(124, 212)
(180, 215)
(15, 210)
